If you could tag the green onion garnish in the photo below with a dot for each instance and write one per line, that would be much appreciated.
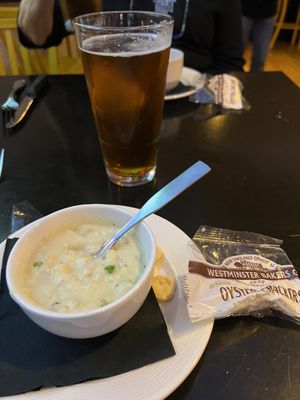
(38, 263)
(110, 268)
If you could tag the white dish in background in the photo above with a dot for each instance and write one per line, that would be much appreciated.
(191, 81)
(157, 380)
(175, 66)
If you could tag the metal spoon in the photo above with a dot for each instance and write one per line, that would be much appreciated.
(159, 200)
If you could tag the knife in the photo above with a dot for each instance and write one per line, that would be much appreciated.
(31, 94)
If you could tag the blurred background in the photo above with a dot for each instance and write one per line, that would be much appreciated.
(284, 54)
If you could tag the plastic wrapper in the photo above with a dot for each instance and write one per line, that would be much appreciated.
(234, 273)
(22, 214)
(224, 90)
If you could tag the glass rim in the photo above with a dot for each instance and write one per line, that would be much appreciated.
(167, 20)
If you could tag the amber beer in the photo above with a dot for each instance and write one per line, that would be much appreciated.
(126, 88)
(125, 57)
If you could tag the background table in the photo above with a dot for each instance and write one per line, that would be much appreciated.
(54, 161)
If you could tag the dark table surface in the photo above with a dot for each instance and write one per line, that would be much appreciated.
(53, 161)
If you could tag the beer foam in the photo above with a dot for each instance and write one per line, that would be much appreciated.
(124, 45)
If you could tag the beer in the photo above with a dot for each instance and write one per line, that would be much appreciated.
(126, 76)
(125, 58)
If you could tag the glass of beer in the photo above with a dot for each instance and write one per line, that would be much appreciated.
(125, 58)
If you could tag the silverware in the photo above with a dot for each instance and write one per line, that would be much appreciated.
(11, 103)
(31, 94)
(1, 161)
(159, 200)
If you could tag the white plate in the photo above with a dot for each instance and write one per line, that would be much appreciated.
(192, 79)
(157, 380)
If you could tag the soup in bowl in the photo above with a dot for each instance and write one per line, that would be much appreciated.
(54, 277)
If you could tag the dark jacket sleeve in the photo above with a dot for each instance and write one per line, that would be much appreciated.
(259, 9)
(228, 49)
(55, 37)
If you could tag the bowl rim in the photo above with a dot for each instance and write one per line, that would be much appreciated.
(36, 310)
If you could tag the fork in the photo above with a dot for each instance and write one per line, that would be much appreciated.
(10, 103)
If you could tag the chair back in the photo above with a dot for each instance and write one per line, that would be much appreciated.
(282, 24)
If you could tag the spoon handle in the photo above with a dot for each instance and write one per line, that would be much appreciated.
(160, 199)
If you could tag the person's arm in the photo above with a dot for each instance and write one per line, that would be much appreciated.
(40, 23)
(228, 48)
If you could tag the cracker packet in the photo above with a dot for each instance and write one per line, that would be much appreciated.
(224, 90)
(235, 273)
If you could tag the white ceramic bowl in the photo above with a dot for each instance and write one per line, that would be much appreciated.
(174, 68)
(90, 323)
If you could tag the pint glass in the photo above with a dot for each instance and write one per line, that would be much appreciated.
(125, 58)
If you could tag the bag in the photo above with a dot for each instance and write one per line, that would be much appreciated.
(233, 273)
